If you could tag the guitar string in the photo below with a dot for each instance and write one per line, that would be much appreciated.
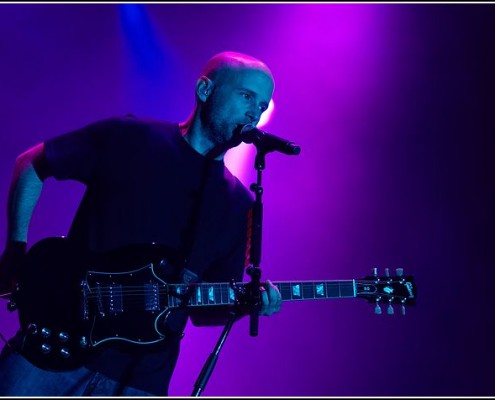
(206, 296)
(223, 287)
(116, 289)
(222, 298)
(305, 284)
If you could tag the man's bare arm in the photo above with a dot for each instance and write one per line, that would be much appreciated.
(24, 193)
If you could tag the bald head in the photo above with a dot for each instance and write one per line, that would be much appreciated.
(229, 61)
(234, 89)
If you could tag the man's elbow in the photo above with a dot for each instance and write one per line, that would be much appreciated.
(31, 158)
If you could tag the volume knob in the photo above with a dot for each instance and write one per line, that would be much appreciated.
(46, 333)
(46, 348)
(64, 352)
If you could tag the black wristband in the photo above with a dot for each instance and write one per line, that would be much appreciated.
(11, 260)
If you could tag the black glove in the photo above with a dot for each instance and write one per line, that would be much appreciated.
(10, 264)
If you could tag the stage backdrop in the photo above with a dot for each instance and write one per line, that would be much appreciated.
(393, 106)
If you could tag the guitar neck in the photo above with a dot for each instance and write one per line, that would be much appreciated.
(205, 294)
(313, 290)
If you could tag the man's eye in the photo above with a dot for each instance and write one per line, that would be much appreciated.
(247, 96)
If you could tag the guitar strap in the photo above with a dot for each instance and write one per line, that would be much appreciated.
(190, 233)
(192, 227)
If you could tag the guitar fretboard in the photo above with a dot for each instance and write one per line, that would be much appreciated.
(203, 294)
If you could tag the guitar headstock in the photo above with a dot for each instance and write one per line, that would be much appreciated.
(389, 290)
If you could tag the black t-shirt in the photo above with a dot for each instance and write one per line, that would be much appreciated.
(143, 181)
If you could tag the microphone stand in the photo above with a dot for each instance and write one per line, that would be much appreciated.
(213, 357)
(254, 270)
(263, 146)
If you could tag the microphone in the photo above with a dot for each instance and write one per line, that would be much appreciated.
(268, 142)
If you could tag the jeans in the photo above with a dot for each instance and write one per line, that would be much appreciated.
(18, 377)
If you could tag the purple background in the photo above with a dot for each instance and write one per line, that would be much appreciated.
(393, 106)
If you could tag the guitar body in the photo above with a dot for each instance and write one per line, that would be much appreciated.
(70, 301)
(48, 302)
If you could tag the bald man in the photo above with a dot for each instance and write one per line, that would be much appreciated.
(148, 182)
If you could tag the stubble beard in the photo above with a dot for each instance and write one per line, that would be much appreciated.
(216, 131)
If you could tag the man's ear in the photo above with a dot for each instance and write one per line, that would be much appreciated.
(204, 86)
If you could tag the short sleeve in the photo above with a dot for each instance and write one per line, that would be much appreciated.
(74, 155)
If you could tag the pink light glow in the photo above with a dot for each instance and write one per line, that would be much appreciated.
(267, 115)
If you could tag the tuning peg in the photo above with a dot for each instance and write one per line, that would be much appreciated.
(375, 272)
(387, 272)
(378, 309)
(403, 308)
(390, 309)
(399, 271)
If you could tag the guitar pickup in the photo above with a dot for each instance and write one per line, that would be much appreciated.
(151, 297)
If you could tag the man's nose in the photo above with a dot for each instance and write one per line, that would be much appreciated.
(253, 116)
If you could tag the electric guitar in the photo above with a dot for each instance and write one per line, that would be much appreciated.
(70, 302)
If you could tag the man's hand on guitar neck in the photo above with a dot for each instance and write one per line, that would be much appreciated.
(10, 263)
(271, 299)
